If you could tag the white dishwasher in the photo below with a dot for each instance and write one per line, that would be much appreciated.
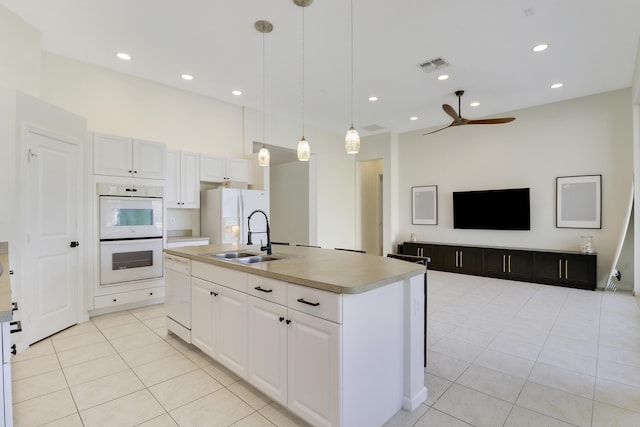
(177, 283)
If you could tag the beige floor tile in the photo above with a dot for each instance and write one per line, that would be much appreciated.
(114, 319)
(516, 347)
(184, 389)
(164, 369)
(221, 408)
(149, 353)
(617, 394)
(618, 372)
(80, 328)
(556, 404)
(568, 360)
(254, 420)
(129, 410)
(163, 420)
(43, 409)
(72, 420)
(473, 407)
(522, 417)
(436, 386)
(42, 348)
(162, 332)
(94, 369)
(445, 366)
(435, 418)
(77, 341)
(283, 418)
(104, 389)
(197, 357)
(124, 330)
(562, 379)
(38, 385)
(610, 416)
(460, 349)
(618, 355)
(148, 312)
(506, 363)
(249, 394)
(220, 373)
(155, 322)
(588, 348)
(37, 365)
(472, 336)
(90, 352)
(493, 383)
(133, 341)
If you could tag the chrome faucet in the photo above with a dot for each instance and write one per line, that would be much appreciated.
(266, 219)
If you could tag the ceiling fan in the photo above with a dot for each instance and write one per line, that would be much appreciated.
(458, 120)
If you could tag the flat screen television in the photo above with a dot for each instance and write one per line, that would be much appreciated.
(506, 209)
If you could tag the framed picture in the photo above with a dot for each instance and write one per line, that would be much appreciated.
(425, 205)
(579, 201)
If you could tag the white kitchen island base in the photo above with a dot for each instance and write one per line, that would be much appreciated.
(333, 349)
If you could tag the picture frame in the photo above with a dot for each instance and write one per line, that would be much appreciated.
(579, 201)
(424, 205)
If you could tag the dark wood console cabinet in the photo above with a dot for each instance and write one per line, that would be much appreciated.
(571, 269)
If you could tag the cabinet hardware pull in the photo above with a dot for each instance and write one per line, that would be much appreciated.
(288, 321)
(503, 263)
(314, 304)
(258, 288)
(14, 351)
(18, 323)
(566, 268)
(150, 293)
(114, 300)
(456, 258)
(14, 306)
(215, 294)
(509, 264)
(74, 244)
(560, 268)
(281, 319)
(460, 259)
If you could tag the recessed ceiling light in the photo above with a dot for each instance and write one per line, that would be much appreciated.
(123, 56)
(236, 92)
(373, 98)
(443, 77)
(557, 85)
(474, 104)
(187, 77)
(413, 118)
(540, 48)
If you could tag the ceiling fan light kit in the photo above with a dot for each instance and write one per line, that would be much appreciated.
(458, 120)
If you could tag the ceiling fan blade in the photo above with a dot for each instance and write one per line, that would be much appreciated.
(450, 111)
(438, 130)
(491, 121)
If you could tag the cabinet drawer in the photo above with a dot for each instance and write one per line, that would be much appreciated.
(178, 264)
(128, 297)
(319, 303)
(223, 276)
(268, 289)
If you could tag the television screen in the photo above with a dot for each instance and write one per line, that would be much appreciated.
(492, 209)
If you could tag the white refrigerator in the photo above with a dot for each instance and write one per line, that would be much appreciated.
(224, 213)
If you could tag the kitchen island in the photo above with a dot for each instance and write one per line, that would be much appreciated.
(336, 337)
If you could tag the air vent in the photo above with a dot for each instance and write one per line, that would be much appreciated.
(372, 128)
(432, 65)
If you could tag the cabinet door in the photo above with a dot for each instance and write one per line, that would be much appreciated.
(149, 159)
(548, 268)
(519, 265)
(237, 170)
(112, 155)
(172, 184)
(212, 168)
(410, 248)
(314, 356)
(230, 330)
(580, 271)
(267, 356)
(202, 315)
(189, 180)
(495, 263)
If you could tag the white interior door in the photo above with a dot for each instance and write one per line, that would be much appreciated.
(52, 206)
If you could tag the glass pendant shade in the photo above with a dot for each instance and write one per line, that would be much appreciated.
(352, 141)
(304, 151)
(264, 156)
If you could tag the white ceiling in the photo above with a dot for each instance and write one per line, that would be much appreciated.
(593, 45)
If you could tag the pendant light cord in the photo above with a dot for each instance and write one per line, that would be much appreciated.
(303, 72)
(264, 72)
(351, 2)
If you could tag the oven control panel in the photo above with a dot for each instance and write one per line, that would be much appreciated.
(107, 189)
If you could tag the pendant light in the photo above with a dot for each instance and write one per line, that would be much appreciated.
(352, 139)
(264, 156)
(304, 151)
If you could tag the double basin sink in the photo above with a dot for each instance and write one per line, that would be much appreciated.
(246, 257)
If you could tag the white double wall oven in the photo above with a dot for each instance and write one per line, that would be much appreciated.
(130, 232)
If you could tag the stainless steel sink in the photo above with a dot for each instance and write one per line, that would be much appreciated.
(246, 257)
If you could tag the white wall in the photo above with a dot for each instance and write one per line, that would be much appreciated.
(289, 202)
(585, 136)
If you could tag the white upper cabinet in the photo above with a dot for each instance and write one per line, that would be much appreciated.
(219, 169)
(122, 156)
(182, 189)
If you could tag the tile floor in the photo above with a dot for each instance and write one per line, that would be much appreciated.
(500, 354)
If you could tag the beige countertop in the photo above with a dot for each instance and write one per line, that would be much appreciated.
(6, 313)
(327, 269)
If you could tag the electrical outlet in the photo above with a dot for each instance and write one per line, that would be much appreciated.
(172, 220)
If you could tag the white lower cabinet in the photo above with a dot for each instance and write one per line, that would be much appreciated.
(219, 323)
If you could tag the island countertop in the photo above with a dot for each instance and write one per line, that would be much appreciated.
(326, 269)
